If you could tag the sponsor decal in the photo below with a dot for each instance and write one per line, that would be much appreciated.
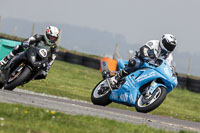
(146, 76)
(131, 98)
(124, 97)
(166, 70)
(114, 95)
(127, 84)
(130, 82)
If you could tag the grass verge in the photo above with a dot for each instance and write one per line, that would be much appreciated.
(24, 119)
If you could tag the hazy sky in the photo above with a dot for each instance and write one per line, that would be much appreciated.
(138, 20)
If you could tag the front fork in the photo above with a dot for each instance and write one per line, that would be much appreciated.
(106, 73)
(148, 89)
(16, 72)
(154, 85)
(108, 82)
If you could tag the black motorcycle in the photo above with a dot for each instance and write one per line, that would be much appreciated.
(25, 66)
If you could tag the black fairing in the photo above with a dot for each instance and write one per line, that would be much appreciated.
(31, 55)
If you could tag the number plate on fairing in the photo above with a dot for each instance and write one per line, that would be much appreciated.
(43, 52)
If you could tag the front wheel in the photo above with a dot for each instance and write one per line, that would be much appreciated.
(145, 105)
(100, 94)
(18, 78)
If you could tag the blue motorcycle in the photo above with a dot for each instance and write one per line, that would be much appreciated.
(158, 79)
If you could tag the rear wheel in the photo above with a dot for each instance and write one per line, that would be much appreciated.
(147, 104)
(100, 94)
(17, 78)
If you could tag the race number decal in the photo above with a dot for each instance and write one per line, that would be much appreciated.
(43, 52)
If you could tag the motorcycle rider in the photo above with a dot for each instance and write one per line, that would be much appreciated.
(47, 40)
(150, 52)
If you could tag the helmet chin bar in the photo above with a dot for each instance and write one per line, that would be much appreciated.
(52, 38)
(48, 41)
(163, 47)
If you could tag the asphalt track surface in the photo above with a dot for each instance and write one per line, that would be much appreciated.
(75, 107)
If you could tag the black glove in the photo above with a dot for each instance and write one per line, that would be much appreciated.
(151, 54)
(25, 44)
(47, 67)
(131, 62)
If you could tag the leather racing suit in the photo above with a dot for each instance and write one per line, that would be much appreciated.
(150, 52)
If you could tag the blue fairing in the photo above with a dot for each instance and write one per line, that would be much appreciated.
(129, 91)
(121, 63)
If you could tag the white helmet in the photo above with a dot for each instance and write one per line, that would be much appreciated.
(51, 35)
(169, 42)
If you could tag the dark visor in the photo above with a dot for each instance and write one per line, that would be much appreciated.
(52, 38)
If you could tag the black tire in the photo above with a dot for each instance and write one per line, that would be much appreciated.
(2, 80)
(1, 85)
(19, 80)
(102, 100)
(182, 82)
(193, 85)
(73, 58)
(91, 62)
(160, 97)
(60, 56)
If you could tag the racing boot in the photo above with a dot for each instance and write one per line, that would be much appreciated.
(6, 59)
(115, 79)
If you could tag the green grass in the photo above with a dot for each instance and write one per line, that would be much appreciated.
(77, 82)
(69, 80)
(24, 119)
